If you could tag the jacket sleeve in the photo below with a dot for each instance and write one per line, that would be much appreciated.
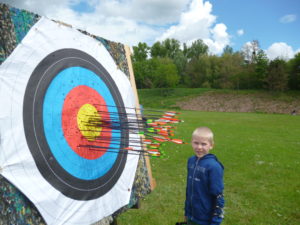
(186, 189)
(216, 190)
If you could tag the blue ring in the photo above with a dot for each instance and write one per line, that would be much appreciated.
(55, 95)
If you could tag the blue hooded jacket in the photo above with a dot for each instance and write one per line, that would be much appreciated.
(204, 192)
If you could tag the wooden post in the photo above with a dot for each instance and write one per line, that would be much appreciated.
(132, 81)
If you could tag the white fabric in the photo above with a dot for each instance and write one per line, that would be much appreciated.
(16, 161)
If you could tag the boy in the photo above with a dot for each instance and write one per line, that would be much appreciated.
(204, 191)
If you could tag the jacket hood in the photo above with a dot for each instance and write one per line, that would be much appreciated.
(211, 156)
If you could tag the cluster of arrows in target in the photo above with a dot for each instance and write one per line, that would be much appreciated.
(154, 129)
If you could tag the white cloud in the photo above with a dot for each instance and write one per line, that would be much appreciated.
(280, 50)
(133, 21)
(198, 23)
(240, 32)
(219, 38)
(147, 11)
(40, 7)
(117, 29)
(126, 21)
(288, 18)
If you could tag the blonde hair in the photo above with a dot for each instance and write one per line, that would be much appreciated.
(204, 132)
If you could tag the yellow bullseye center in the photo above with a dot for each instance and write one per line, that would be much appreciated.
(89, 121)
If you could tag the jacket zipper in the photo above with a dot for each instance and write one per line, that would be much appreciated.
(193, 185)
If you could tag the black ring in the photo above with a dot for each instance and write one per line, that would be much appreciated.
(46, 163)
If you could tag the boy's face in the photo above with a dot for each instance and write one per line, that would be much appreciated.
(201, 146)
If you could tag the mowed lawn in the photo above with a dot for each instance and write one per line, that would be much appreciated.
(261, 155)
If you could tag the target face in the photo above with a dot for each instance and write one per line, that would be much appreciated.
(52, 121)
(59, 87)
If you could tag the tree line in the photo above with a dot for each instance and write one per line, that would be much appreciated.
(167, 64)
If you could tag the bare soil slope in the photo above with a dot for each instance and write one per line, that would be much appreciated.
(252, 102)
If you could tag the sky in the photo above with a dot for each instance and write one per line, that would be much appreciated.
(275, 24)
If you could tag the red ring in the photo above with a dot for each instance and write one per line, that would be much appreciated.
(76, 98)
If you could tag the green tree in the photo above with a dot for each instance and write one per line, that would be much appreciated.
(185, 50)
(158, 50)
(246, 76)
(143, 72)
(261, 69)
(140, 52)
(197, 49)
(172, 47)
(214, 75)
(230, 70)
(180, 60)
(294, 72)
(277, 76)
(168, 48)
(197, 72)
(256, 66)
(155, 73)
(165, 73)
(227, 50)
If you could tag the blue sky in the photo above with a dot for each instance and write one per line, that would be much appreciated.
(274, 23)
(260, 20)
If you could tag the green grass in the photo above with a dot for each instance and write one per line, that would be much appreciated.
(261, 155)
(260, 152)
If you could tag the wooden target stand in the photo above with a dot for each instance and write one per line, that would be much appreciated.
(133, 84)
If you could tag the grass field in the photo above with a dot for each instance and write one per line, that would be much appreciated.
(261, 155)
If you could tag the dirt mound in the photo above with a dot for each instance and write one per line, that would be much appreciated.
(223, 102)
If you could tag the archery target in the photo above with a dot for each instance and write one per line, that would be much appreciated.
(53, 83)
